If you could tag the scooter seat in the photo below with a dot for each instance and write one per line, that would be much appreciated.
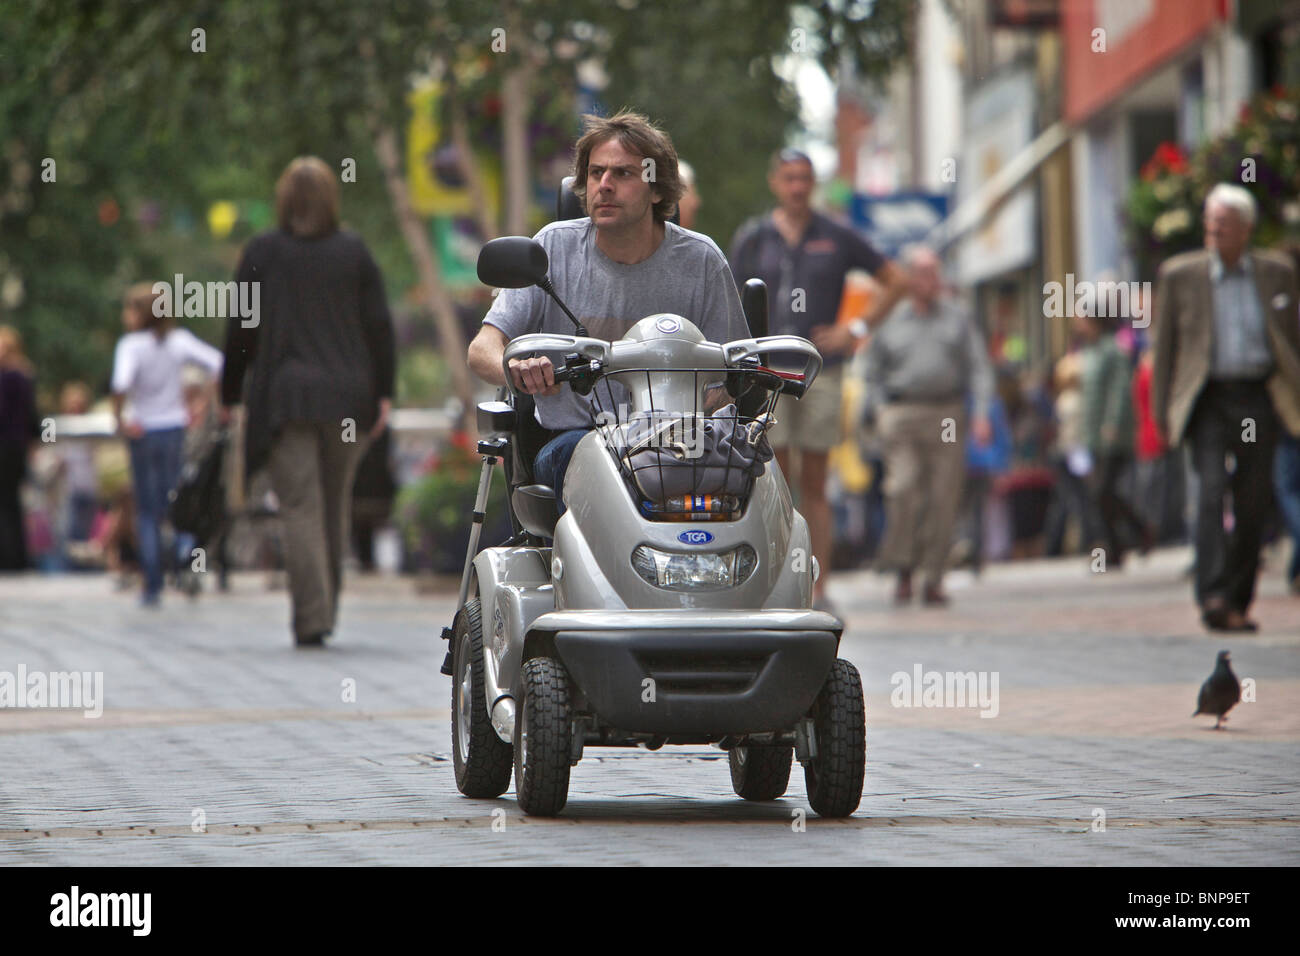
(536, 508)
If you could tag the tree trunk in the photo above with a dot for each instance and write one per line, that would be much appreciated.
(469, 171)
(515, 92)
(432, 292)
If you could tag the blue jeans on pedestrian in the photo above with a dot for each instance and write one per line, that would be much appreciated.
(1286, 485)
(552, 461)
(155, 469)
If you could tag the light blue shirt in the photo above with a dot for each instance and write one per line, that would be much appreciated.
(1241, 349)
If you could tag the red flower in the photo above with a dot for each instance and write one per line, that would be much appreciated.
(1167, 159)
(460, 439)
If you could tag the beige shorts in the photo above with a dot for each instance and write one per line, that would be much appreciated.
(811, 423)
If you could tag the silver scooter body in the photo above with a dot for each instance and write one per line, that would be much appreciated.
(648, 662)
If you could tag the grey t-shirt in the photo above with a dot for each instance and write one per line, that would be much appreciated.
(687, 275)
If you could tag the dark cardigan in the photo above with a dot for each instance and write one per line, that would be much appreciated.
(322, 348)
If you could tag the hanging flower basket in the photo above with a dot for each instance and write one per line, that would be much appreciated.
(1261, 153)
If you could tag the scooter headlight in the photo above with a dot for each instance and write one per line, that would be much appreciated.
(696, 570)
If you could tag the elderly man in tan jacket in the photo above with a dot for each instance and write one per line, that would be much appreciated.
(1226, 377)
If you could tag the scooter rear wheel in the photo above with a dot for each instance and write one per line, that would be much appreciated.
(482, 760)
(834, 777)
(543, 739)
(760, 773)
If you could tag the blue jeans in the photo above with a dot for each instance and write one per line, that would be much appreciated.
(552, 461)
(155, 469)
(1286, 485)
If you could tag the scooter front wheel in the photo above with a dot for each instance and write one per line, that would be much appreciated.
(760, 773)
(482, 760)
(543, 739)
(834, 777)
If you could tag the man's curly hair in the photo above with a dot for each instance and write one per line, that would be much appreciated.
(637, 135)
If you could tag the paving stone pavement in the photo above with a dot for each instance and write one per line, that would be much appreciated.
(209, 714)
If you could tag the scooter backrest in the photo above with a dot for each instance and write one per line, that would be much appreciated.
(753, 302)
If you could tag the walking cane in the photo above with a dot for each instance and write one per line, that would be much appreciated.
(490, 449)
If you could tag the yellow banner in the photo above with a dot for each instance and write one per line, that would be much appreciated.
(424, 137)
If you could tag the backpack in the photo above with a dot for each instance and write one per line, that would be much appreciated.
(197, 505)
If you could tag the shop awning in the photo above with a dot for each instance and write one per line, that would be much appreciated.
(985, 201)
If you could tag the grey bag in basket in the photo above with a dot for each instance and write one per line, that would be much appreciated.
(728, 454)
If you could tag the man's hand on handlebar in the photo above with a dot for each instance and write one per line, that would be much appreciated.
(535, 376)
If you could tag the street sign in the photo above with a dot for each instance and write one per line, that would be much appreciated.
(891, 222)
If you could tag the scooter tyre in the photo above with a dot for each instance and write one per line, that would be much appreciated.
(835, 776)
(482, 771)
(543, 739)
(760, 773)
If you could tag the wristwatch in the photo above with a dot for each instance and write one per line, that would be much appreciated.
(860, 329)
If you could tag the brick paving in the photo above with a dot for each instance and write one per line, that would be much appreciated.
(208, 708)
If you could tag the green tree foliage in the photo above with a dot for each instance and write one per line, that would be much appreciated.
(146, 131)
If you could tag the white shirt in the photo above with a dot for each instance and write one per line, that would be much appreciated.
(148, 373)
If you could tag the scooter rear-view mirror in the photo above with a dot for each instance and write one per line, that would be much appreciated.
(516, 262)
(512, 262)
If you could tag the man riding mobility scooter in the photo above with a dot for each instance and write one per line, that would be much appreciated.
(671, 602)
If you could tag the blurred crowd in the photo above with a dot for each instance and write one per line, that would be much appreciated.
(1175, 422)
(68, 503)
(140, 483)
(927, 443)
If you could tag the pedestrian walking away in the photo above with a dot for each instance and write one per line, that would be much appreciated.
(18, 428)
(149, 408)
(1109, 436)
(803, 257)
(315, 373)
(1226, 378)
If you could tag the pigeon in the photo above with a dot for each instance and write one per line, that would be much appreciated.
(1220, 692)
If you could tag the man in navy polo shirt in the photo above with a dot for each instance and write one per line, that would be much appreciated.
(803, 257)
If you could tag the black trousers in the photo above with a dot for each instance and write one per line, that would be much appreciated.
(13, 539)
(1221, 424)
(1113, 507)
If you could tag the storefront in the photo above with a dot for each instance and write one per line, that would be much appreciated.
(1139, 73)
(997, 260)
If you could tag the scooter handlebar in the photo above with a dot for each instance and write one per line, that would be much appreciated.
(595, 355)
(549, 344)
(761, 350)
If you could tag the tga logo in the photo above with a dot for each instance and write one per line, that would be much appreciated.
(102, 909)
(695, 537)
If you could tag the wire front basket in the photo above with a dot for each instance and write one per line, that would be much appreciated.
(684, 465)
